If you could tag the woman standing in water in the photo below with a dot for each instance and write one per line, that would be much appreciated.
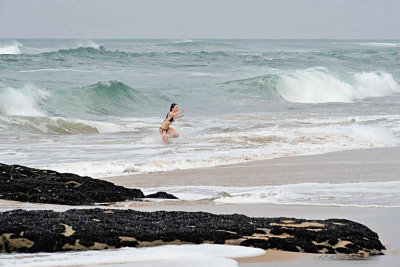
(165, 128)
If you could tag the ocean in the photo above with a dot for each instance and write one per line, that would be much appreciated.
(94, 107)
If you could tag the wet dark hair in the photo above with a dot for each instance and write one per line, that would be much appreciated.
(172, 106)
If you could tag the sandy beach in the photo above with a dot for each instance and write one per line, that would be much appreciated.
(364, 165)
(352, 166)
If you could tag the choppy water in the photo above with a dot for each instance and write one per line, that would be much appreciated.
(93, 107)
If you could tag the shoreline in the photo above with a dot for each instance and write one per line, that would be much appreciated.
(346, 166)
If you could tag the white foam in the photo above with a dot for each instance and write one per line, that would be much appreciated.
(135, 147)
(22, 102)
(116, 168)
(374, 84)
(89, 43)
(92, 169)
(11, 49)
(54, 70)
(380, 44)
(131, 125)
(172, 255)
(205, 150)
(344, 120)
(320, 85)
(368, 194)
(168, 165)
(205, 74)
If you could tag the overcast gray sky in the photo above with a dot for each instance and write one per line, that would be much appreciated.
(261, 19)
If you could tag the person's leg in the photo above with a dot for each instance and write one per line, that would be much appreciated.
(174, 134)
(164, 136)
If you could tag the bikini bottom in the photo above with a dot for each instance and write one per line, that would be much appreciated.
(164, 130)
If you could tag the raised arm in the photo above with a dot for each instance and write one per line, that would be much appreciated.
(173, 114)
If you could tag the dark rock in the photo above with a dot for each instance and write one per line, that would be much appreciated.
(163, 195)
(333, 242)
(44, 186)
(84, 229)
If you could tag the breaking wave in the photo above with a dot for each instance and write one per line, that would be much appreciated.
(94, 50)
(22, 102)
(10, 49)
(102, 98)
(321, 85)
(108, 98)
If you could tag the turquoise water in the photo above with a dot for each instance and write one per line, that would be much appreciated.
(93, 107)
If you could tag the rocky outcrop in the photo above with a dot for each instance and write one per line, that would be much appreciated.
(163, 195)
(44, 186)
(33, 231)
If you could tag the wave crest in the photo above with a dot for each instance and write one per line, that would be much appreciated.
(83, 50)
(22, 102)
(110, 98)
(102, 98)
(321, 85)
(94, 50)
(12, 49)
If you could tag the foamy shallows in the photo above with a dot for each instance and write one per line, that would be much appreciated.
(133, 146)
(171, 255)
(369, 194)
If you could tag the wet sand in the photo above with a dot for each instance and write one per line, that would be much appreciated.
(274, 256)
(361, 165)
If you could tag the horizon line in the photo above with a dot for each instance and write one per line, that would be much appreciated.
(192, 38)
